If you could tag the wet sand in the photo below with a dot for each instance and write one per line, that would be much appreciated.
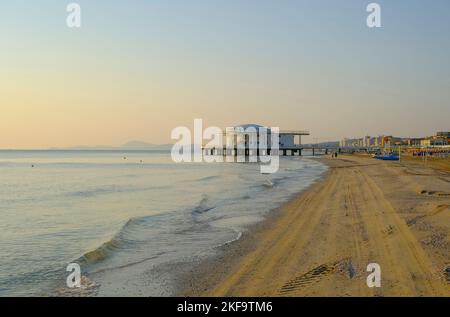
(364, 211)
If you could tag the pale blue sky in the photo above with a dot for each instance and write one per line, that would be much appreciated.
(140, 68)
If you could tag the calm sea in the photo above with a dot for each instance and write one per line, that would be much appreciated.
(123, 214)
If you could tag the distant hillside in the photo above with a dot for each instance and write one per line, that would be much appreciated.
(138, 144)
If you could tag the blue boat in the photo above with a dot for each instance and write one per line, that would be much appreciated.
(388, 157)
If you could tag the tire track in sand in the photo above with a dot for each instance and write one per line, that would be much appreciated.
(293, 231)
(414, 271)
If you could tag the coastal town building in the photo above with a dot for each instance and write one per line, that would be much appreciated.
(443, 135)
(439, 139)
(414, 141)
(434, 141)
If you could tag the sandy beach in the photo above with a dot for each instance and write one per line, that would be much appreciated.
(363, 211)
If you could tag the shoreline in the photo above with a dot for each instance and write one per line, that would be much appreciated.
(319, 243)
(192, 281)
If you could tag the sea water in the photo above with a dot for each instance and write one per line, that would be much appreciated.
(123, 213)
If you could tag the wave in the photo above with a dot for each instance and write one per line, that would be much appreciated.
(208, 178)
(127, 238)
(117, 242)
(111, 189)
(203, 206)
(237, 238)
(94, 192)
(269, 184)
(102, 252)
(204, 179)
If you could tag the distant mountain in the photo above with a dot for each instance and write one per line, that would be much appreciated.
(138, 144)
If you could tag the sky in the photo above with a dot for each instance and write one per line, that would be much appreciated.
(137, 69)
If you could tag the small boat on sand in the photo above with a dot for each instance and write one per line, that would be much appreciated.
(388, 157)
